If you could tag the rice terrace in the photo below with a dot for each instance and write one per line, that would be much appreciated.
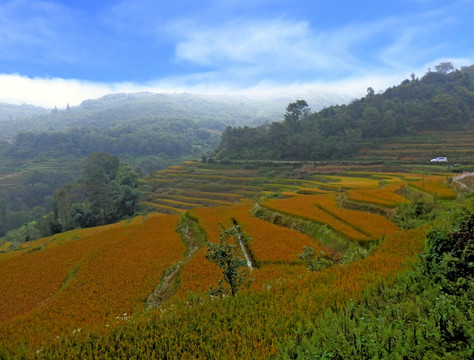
(83, 293)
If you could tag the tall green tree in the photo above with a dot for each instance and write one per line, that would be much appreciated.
(99, 172)
(296, 112)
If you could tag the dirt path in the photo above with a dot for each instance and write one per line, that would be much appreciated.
(460, 177)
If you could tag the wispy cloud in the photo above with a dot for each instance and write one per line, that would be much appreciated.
(213, 45)
(50, 92)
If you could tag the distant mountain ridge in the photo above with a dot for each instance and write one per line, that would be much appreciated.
(11, 111)
(117, 109)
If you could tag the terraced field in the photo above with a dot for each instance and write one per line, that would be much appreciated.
(458, 147)
(97, 278)
(180, 188)
(90, 279)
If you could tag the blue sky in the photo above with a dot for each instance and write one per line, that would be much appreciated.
(59, 52)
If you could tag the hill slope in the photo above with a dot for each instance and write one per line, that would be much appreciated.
(438, 101)
(95, 277)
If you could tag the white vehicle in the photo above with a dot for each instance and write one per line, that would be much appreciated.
(440, 159)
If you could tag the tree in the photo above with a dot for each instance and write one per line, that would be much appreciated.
(107, 193)
(370, 121)
(230, 258)
(295, 112)
(100, 169)
(444, 67)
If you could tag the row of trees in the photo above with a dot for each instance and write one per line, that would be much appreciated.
(443, 100)
(174, 139)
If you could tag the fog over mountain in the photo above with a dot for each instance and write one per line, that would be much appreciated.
(117, 108)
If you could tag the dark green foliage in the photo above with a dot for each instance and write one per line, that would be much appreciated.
(441, 100)
(148, 131)
(107, 193)
(412, 214)
(29, 197)
(450, 257)
(313, 260)
(423, 314)
(230, 258)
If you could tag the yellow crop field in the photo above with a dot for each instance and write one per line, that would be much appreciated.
(374, 225)
(275, 248)
(198, 274)
(231, 197)
(195, 201)
(98, 279)
(358, 225)
(312, 191)
(337, 284)
(434, 185)
(164, 208)
(384, 196)
(306, 207)
(270, 242)
(84, 283)
(351, 182)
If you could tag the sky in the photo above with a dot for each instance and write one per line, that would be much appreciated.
(54, 53)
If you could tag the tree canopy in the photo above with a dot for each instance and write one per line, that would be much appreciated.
(106, 193)
(440, 100)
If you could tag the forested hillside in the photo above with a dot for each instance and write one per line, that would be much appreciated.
(441, 100)
(10, 113)
(41, 150)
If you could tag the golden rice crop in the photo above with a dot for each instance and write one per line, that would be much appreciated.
(231, 197)
(351, 182)
(198, 274)
(384, 196)
(436, 186)
(271, 245)
(113, 273)
(374, 225)
(270, 242)
(195, 201)
(164, 208)
(306, 207)
(312, 191)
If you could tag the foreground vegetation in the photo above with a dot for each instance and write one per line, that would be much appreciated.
(425, 313)
(89, 303)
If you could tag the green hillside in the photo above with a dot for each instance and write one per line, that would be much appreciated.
(441, 101)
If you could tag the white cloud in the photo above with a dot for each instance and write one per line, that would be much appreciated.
(267, 46)
(50, 92)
